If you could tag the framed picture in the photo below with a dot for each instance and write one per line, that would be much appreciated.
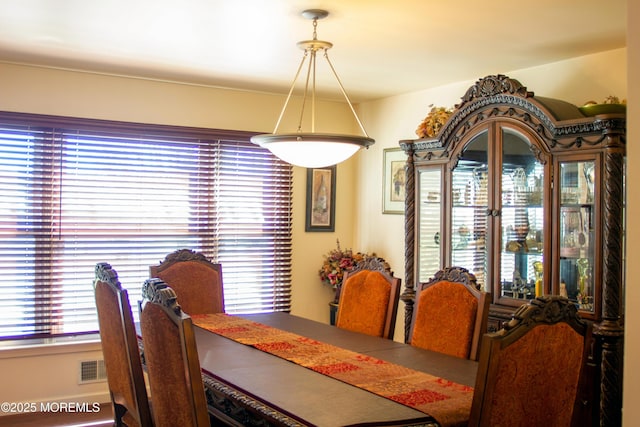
(393, 181)
(321, 199)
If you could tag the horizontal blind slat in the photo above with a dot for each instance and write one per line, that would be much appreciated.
(76, 192)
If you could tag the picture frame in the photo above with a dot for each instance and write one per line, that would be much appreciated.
(321, 199)
(393, 181)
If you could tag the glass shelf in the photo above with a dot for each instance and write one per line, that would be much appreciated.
(576, 232)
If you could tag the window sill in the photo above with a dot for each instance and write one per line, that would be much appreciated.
(50, 346)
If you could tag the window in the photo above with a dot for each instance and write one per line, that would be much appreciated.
(75, 192)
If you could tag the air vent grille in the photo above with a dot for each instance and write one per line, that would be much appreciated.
(92, 371)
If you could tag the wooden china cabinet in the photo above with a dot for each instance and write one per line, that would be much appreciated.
(528, 194)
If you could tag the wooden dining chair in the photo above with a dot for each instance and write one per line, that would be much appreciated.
(450, 314)
(196, 280)
(530, 371)
(120, 350)
(368, 300)
(171, 356)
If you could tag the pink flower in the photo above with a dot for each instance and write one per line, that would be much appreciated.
(336, 262)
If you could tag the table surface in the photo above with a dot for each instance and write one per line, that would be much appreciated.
(311, 397)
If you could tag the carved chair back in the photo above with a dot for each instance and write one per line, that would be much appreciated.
(171, 358)
(120, 350)
(368, 300)
(450, 314)
(196, 280)
(530, 371)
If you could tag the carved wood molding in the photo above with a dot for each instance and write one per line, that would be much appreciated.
(457, 275)
(372, 263)
(105, 273)
(232, 403)
(500, 97)
(157, 291)
(610, 331)
(557, 135)
(184, 255)
(493, 85)
(409, 293)
(548, 309)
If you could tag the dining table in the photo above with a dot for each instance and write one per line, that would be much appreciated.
(278, 369)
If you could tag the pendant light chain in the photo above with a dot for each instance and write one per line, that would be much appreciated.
(311, 75)
(315, 28)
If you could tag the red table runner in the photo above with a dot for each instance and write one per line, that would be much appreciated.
(448, 402)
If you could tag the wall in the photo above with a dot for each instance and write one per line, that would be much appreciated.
(360, 223)
(49, 374)
(631, 390)
(68, 93)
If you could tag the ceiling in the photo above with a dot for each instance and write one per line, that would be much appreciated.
(381, 48)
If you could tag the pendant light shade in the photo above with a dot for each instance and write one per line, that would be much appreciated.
(313, 149)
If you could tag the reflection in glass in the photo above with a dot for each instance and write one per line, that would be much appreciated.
(589, 172)
(576, 237)
(429, 223)
(469, 219)
(583, 276)
(522, 219)
(538, 268)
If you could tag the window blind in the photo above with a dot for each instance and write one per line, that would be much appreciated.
(76, 192)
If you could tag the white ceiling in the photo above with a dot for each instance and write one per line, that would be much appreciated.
(381, 47)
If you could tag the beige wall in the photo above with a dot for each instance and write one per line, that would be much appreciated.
(100, 96)
(631, 396)
(359, 223)
(68, 93)
(49, 374)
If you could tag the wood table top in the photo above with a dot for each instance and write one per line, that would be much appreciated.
(313, 398)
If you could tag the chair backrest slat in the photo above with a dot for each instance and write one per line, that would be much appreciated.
(120, 349)
(172, 360)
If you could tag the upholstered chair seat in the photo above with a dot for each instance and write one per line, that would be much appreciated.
(368, 300)
(450, 314)
(196, 281)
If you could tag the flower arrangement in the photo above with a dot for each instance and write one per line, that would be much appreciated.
(336, 262)
(434, 121)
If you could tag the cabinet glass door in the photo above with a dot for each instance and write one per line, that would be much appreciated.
(429, 222)
(521, 220)
(469, 192)
(576, 233)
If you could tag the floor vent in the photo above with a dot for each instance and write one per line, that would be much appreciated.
(92, 371)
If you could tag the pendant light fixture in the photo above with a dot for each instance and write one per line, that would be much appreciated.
(313, 149)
